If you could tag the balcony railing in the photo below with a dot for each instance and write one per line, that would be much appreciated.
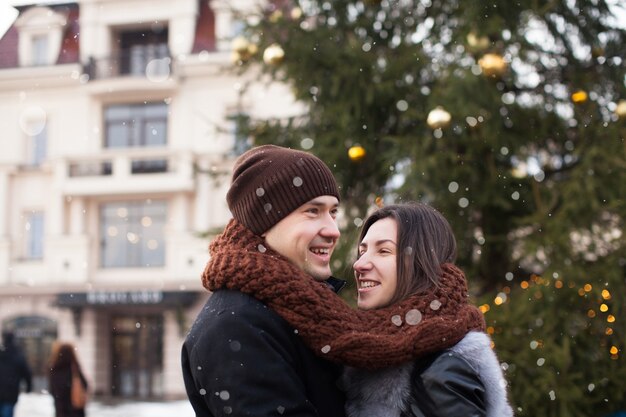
(146, 61)
(131, 170)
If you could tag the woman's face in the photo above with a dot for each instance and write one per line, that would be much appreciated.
(375, 270)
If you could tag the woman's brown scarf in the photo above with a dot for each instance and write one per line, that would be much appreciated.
(423, 323)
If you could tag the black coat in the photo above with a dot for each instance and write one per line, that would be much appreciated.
(465, 380)
(60, 380)
(242, 359)
(445, 384)
(13, 370)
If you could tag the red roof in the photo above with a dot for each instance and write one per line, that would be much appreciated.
(70, 44)
(8, 48)
(205, 29)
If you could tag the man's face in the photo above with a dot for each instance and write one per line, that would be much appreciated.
(308, 235)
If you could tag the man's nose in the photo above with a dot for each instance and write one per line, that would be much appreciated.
(330, 228)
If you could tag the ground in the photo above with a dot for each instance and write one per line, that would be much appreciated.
(40, 405)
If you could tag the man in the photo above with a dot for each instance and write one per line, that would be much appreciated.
(13, 370)
(241, 358)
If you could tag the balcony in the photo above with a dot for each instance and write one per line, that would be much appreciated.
(126, 171)
(152, 62)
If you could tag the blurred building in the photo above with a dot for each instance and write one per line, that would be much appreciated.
(115, 149)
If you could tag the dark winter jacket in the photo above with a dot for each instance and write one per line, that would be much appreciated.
(60, 383)
(13, 370)
(242, 359)
(463, 381)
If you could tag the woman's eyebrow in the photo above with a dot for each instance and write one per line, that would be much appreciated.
(379, 242)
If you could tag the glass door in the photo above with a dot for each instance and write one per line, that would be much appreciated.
(137, 362)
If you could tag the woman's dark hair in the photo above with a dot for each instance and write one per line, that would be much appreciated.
(425, 241)
(63, 356)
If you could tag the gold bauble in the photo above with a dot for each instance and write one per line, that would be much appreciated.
(579, 96)
(276, 16)
(477, 43)
(620, 110)
(235, 57)
(252, 49)
(356, 153)
(296, 13)
(597, 51)
(438, 118)
(242, 50)
(273, 54)
(493, 65)
(519, 171)
(240, 45)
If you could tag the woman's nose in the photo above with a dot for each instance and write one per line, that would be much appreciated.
(362, 263)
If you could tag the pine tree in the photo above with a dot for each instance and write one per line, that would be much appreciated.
(509, 117)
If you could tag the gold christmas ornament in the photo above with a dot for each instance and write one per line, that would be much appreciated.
(296, 13)
(240, 44)
(597, 51)
(477, 43)
(579, 96)
(252, 49)
(620, 110)
(242, 49)
(493, 65)
(276, 16)
(438, 118)
(273, 54)
(235, 57)
(356, 153)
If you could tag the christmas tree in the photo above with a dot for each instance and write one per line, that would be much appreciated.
(510, 118)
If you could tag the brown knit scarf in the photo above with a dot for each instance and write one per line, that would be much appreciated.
(423, 323)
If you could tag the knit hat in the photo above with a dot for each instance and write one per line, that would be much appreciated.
(269, 182)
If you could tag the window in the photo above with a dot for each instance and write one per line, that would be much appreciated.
(140, 48)
(41, 32)
(33, 122)
(132, 234)
(34, 228)
(136, 125)
(39, 50)
(37, 148)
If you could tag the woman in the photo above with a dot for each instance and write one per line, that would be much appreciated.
(404, 251)
(63, 364)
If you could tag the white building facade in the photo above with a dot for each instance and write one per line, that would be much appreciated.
(116, 149)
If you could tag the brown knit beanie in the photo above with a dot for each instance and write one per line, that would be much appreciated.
(269, 182)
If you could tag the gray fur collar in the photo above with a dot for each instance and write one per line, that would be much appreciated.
(387, 392)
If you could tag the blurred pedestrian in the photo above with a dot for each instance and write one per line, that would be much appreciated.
(63, 367)
(13, 370)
